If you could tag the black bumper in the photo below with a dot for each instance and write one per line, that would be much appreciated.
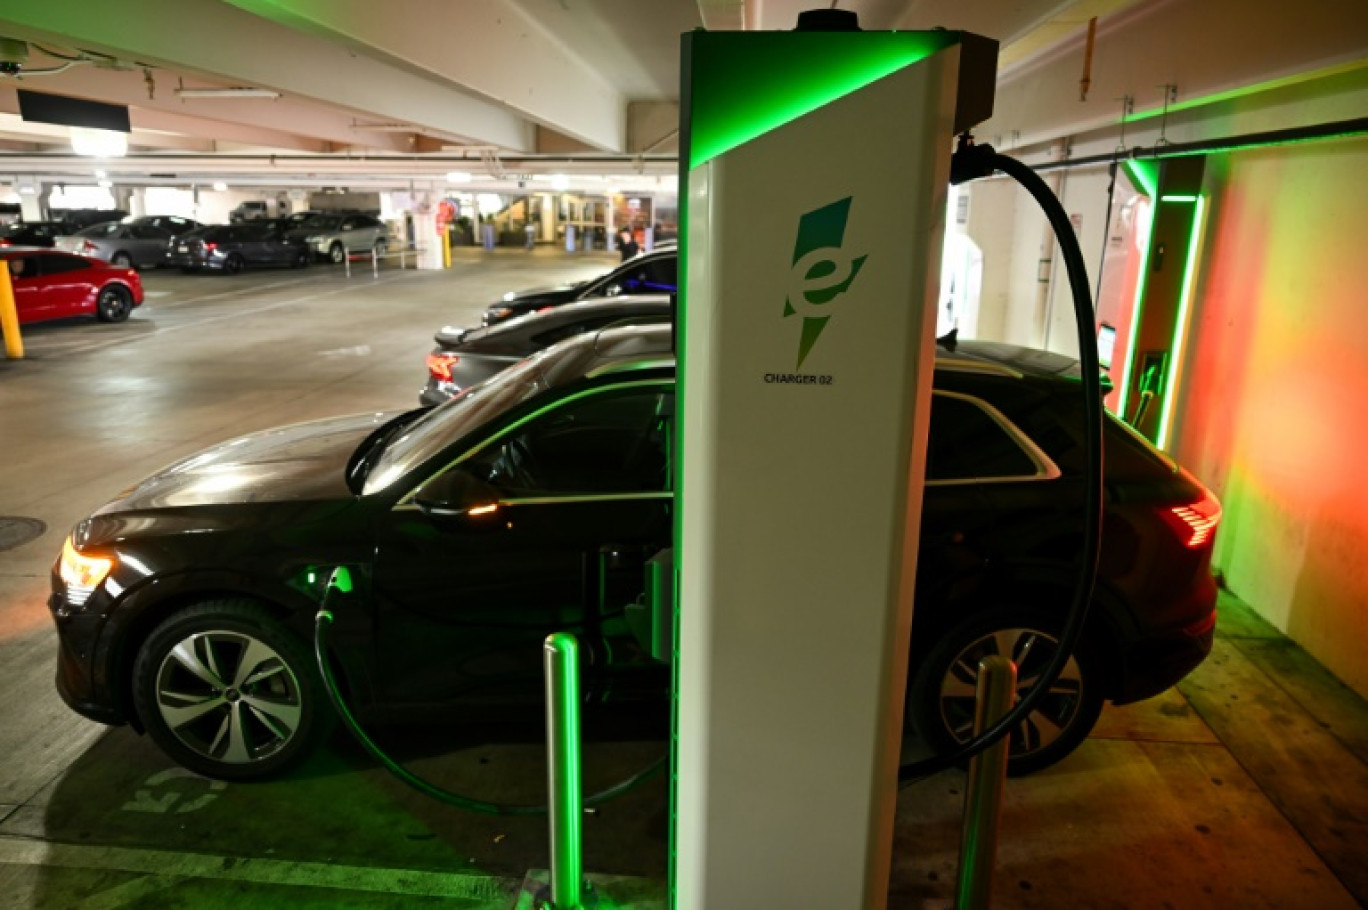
(76, 637)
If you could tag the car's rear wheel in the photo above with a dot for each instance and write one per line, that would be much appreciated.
(302, 259)
(113, 304)
(941, 698)
(122, 260)
(234, 264)
(227, 691)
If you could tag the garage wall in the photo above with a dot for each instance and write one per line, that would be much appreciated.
(1272, 402)
(1008, 227)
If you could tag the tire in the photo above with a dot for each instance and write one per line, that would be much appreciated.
(336, 253)
(303, 259)
(228, 692)
(380, 248)
(122, 260)
(941, 694)
(233, 264)
(113, 304)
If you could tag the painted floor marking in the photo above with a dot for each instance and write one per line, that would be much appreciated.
(30, 852)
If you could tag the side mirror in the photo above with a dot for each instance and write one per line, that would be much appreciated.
(457, 494)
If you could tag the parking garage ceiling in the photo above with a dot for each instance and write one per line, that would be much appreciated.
(314, 90)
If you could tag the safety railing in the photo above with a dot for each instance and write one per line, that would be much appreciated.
(375, 257)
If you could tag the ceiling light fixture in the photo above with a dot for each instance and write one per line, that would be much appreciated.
(220, 186)
(235, 92)
(459, 177)
(98, 143)
(560, 182)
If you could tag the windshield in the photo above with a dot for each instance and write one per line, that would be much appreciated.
(447, 423)
(101, 230)
(324, 223)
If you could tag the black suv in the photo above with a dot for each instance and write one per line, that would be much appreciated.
(656, 272)
(476, 528)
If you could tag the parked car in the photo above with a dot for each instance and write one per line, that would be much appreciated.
(249, 211)
(464, 357)
(656, 272)
(32, 233)
(72, 220)
(132, 242)
(185, 606)
(231, 248)
(49, 284)
(332, 237)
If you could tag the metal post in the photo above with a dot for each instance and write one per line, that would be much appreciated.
(9, 316)
(346, 260)
(375, 263)
(560, 659)
(987, 776)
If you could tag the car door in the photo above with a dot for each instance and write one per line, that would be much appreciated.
(147, 243)
(464, 603)
(66, 286)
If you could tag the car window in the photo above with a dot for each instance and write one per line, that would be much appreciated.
(109, 229)
(248, 232)
(350, 224)
(609, 441)
(23, 268)
(966, 442)
(658, 274)
(149, 232)
(55, 264)
(324, 224)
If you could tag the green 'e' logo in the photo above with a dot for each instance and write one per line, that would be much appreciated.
(821, 271)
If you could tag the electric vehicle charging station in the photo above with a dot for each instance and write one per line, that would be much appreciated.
(805, 365)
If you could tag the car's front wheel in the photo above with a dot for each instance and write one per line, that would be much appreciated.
(114, 303)
(227, 691)
(337, 253)
(941, 698)
(234, 264)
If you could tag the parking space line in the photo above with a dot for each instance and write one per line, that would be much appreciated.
(237, 314)
(236, 292)
(130, 892)
(31, 852)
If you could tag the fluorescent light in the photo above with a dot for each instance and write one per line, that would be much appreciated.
(98, 143)
(27, 191)
(220, 186)
(106, 184)
(560, 182)
(237, 92)
(101, 174)
(459, 177)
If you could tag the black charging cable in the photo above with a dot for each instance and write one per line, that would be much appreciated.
(970, 162)
(340, 583)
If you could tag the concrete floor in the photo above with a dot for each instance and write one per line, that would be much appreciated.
(1248, 786)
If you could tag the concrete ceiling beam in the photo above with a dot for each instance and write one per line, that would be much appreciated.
(488, 48)
(220, 42)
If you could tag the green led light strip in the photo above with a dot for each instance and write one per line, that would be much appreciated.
(1123, 387)
(1178, 198)
(745, 84)
(1144, 174)
(1245, 91)
(1180, 328)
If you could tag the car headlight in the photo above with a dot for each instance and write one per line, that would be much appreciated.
(82, 574)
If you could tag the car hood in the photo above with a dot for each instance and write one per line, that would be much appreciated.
(547, 294)
(304, 461)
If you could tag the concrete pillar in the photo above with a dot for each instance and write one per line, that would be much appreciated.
(425, 232)
(31, 206)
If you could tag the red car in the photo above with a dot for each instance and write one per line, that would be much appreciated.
(51, 285)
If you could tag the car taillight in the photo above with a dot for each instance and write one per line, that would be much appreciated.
(546, 309)
(440, 364)
(4, 242)
(1195, 522)
(210, 247)
(89, 247)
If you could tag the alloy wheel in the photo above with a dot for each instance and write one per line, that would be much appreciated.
(113, 305)
(1031, 650)
(228, 696)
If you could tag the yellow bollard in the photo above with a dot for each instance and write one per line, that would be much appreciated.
(446, 249)
(9, 315)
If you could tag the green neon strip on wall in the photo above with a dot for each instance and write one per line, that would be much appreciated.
(1178, 198)
(1180, 328)
(1140, 284)
(748, 83)
(1245, 91)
